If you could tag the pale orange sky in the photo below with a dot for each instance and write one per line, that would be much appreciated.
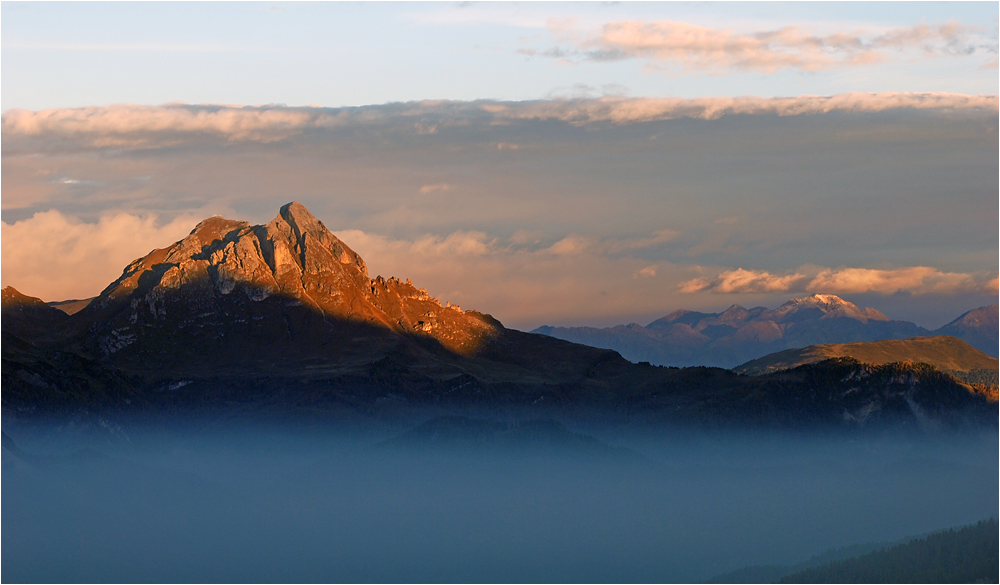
(550, 212)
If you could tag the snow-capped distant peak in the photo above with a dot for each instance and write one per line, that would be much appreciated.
(831, 305)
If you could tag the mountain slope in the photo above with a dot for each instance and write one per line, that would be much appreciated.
(943, 352)
(28, 317)
(686, 338)
(978, 327)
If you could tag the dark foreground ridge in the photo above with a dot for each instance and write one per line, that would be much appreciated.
(282, 321)
(946, 353)
(968, 554)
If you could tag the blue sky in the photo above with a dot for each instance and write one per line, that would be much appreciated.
(549, 163)
(82, 53)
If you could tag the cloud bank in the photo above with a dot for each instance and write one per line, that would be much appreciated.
(135, 126)
(917, 280)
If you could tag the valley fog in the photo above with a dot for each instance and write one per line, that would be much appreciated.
(468, 499)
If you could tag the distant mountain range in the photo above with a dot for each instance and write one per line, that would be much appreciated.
(282, 321)
(688, 338)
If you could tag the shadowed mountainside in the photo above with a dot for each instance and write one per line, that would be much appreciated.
(977, 327)
(737, 335)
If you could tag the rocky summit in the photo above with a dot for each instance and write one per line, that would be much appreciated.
(210, 281)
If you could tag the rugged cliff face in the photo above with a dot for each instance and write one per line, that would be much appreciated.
(290, 283)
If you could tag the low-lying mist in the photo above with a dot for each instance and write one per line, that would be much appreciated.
(469, 500)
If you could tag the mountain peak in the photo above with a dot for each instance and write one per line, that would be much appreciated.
(821, 299)
(302, 221)
(11, 297)
(295, 212)
(831, 306)
(229, 267)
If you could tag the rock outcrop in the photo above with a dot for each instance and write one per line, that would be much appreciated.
(226, 271)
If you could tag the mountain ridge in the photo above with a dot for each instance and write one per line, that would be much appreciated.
(283, 321)
(948, 354)
(737, 335)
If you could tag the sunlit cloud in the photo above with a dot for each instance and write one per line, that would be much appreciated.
(647, 272)
(917, 280)
(743, 281)
(688, 47)
(570, 245)
(56, 257)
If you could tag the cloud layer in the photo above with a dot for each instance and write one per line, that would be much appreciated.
(134, 126)
(918, 280)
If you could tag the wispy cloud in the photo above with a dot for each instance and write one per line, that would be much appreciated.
(916, 280)
(671, 45)
(743, 281)
(627, 245)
